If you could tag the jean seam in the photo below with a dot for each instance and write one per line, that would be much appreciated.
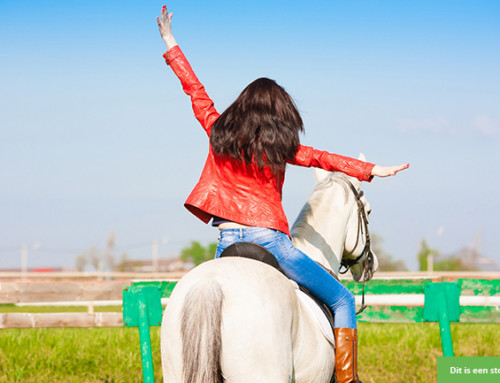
(283, 249)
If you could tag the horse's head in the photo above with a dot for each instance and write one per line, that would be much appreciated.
(356, 254)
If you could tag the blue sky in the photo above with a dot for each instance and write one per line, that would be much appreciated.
(96, 135)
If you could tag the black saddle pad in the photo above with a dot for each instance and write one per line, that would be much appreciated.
(252, 251)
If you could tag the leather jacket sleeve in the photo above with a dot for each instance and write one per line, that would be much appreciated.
(203, 106)
(308, 156)
(206, 114)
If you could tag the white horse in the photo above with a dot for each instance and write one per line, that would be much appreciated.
(238, 320)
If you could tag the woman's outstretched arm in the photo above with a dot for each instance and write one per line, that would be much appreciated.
(165, 27)
(203, 106)
(364, 171)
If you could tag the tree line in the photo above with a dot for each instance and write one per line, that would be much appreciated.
(465, 259)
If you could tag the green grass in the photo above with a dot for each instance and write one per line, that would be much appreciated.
(397, 352)
(73, 355)
(389, 353)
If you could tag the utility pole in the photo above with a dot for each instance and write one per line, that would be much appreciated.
(24, 261)
(430, 261)
(155, 256)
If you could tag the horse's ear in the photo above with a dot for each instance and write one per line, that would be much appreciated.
(320, 174)
(362, 157)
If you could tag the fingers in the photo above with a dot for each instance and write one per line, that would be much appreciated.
(403, 167)
(165, 16)
(164, 21)
(164, 13)
(399, 168)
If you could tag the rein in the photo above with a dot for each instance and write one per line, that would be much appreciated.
(366, 253)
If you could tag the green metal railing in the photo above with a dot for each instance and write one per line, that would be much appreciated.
(415, 314)
(142, 307)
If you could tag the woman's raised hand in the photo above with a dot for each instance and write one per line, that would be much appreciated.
(386, 171)
(165, 27)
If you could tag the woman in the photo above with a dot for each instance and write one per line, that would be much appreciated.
(240, 186)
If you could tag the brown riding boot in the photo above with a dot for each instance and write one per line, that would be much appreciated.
(346, 355)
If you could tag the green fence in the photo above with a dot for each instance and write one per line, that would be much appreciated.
(416, 300)
(470, 312)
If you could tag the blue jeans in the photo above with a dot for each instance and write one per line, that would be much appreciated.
(299, 267)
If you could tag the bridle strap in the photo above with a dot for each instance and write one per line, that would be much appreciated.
(367, 267)
(363, 221)
(366, 253)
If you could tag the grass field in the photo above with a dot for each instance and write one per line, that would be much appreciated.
(388, 352)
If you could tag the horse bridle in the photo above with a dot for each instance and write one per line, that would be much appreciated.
(366, 253)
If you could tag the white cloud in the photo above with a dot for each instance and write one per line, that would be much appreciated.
(436, 126)
(487, 126)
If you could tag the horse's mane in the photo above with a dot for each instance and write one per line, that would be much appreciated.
(335, 177)
(338, 178)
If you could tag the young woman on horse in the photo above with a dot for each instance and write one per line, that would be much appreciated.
(240, 186)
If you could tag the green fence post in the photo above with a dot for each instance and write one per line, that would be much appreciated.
(444, 326)
(145, 340)
(142, 309)
(442, 305)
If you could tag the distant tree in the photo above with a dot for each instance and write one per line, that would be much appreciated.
(455, 262)
(121, 265)
(452, 263)
(423, 255)
(197, 253)
(80, 262)
(386, 261)
(472, 259)
(91, 257)
(97, 259)
(108, 254)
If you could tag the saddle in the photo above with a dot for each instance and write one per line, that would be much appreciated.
(260, 253)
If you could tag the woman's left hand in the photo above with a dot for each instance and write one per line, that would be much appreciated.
(386, 171)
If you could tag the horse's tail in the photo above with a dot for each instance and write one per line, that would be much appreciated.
(201, 333)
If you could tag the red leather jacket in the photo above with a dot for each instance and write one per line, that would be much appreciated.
(243, 193)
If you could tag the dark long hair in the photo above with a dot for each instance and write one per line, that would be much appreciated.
(260, 127)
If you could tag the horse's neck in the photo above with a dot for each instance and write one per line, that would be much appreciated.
(320, 228)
